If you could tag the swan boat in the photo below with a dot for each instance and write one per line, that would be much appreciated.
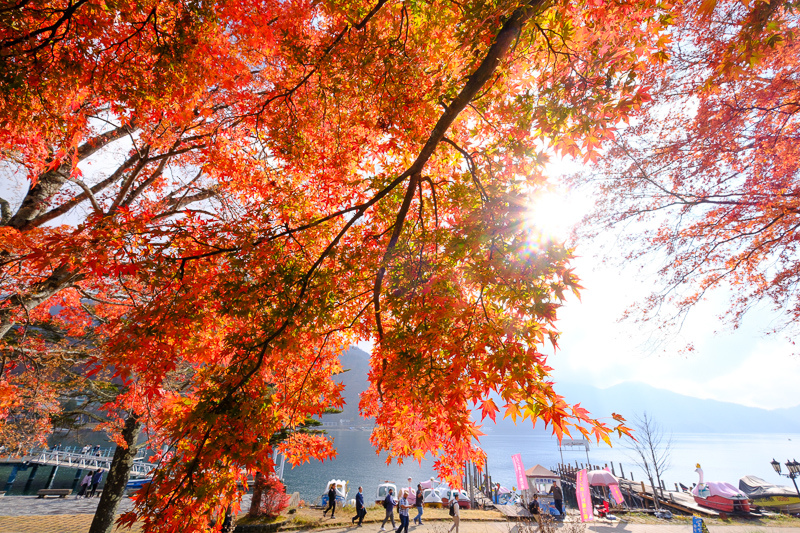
(341, 492)
(720, 496)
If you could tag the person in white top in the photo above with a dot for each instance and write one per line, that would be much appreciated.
(454, 512)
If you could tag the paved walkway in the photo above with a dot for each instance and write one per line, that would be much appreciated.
(33, 505)
(28, 514)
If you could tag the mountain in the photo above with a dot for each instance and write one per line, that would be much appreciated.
(681, 413)
(356, 364)
(675, 412)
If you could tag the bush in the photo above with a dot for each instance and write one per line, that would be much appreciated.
(269, 497)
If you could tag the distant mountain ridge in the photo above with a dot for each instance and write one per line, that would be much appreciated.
(675, 412)
(680, 413)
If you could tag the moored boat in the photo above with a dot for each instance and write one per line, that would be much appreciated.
(431, 498)
(463, 500)
(768, 496)
(136, 484)
(720, 496)
(383, 490)
(341, 492)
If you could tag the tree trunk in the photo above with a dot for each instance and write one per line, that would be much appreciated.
(255, 503)
(655, 494)
(114, 489)
(60, 278)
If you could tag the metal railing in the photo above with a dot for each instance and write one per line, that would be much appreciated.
(100, 460)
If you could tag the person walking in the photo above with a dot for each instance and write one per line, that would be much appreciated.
(361, 511)
(454, 512)
(96, 478)
(331, 501)
(418, 504)
(558, 498)
(389, 503)
(402, 509)
(87, 479)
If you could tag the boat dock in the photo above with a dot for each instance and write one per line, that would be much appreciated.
(673, 500)
(641, 496)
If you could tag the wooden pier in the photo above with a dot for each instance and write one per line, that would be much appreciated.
(514, 512)
(678, 501)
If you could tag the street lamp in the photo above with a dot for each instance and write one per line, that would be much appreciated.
(794, 471)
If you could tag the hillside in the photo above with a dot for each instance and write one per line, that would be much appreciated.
(356, 363)
(675, 412)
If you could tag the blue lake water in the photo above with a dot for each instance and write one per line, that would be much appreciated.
(724, 457)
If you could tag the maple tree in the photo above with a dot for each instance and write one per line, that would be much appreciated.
(289, 178)
(707, 173)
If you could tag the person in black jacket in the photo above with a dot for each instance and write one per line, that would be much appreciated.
(361, 511)
(331, 501)
(418, 504)
(389, 502)
(533, 508)
(96, 478)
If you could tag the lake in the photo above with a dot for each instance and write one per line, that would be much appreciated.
(724, 457)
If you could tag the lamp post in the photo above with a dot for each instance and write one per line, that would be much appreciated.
(794, 471)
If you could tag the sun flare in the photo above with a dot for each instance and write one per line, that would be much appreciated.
(552, 215)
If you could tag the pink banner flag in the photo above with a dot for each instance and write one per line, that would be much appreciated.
(616, 494)
(584, 496)
(522, 481)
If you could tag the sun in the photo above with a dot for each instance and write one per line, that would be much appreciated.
(553, 214)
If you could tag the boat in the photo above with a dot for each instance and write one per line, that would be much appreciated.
(431, 498)
(341, 492)
(383, 490)
(136, 484)
(720, 496)
(443, 491)
(506, 497)
(768, 496)
(463, 500)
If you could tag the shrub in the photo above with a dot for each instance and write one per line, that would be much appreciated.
(269, 497)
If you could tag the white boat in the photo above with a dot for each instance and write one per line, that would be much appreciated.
(431, 498)
(383, 490)
(341, 492)
(461, 496)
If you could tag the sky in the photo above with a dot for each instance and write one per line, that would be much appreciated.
(596, 348)
(743, 366)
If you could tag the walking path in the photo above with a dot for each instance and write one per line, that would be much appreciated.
(28, 514)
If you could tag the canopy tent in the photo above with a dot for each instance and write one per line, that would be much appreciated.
(539, 471)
